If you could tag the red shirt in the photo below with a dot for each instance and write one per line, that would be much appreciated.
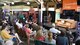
(41, 38)
(28, 31)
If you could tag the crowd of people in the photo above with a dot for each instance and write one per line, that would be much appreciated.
(12, 24)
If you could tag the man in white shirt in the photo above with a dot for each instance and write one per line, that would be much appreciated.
(53, 30)
(20, 25)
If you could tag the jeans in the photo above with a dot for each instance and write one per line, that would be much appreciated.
(1, 41)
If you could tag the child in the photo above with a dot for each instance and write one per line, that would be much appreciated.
(50, 39)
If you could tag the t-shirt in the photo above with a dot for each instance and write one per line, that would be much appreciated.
(53, 30)
(50, 42)
(41, 38)
(20, 25)
(5, 35)
(28, 30)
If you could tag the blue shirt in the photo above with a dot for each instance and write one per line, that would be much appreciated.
(62, 40)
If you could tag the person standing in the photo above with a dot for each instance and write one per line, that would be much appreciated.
(28, 33)
(6, 36)
(62, 39)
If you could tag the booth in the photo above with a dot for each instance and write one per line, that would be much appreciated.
(66, 23)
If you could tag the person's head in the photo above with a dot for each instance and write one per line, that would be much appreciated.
(20, 21)
(27, 25)
(5, 27)
(34, 26)
(14, 13)
(39, 28)
(50, 36)
(39, 33)
(53, 25)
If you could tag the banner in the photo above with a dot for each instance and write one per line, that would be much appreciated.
(69, 4)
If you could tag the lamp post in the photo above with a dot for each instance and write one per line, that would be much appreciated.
(40, 3)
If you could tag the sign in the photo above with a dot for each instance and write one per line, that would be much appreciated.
(69, 4)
